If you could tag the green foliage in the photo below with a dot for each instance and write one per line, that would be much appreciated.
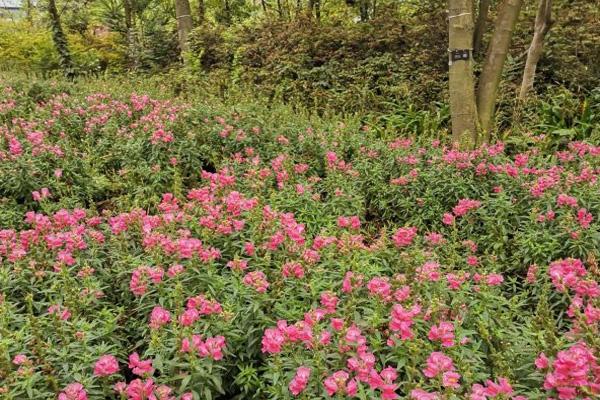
(136, 185)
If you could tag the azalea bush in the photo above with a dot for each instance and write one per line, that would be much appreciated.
(155, 249)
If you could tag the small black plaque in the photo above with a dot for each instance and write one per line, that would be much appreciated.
(460, 54)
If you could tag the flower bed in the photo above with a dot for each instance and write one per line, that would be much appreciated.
(175, 252)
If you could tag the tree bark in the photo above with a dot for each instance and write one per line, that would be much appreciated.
(462, 84)
(279, 9)
(364, 10)
(491, 73)
(60, 41)
(130, 34)
(183, 12)
(543, 23)
(227, 9)
(28, 7)
(201, 12)
(481, 24)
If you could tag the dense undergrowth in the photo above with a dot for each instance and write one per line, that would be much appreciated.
(158, 247)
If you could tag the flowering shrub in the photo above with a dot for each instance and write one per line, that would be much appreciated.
(170, 253)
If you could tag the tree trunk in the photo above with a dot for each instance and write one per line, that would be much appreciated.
(128, 9)
(364, 10)
(183, 12)
(279, 9)
(491, 73)
(318, 9)
(264, 5)
(462, 84)
(28, 7)
(60, 41)
(481, 24)
(227, 9)
(543, 22)
(201, 12)
(130, 34)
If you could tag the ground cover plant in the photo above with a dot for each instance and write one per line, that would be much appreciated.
(162, 249)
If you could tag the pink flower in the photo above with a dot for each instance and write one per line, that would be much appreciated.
(573, 372)
(404, 236)
(434, 238)
(106, 365)
(494, 279)
(20, 359)
(420, 394)
(443, 332)
(566, 273)
(388, 387)
(495, 389)
(584, 218)
(428, 272)
(249, 249)
(437, 363)
(351, 281)
(213, 348)
(140, 367)
(402, 320)
(292, 269)
(448, 219)
(62, 312)
(531, 273)
(380, 287)
(188, 317)
(258, 280)
(542, 362)
(272, 341)
(329, 301)
(566, 200)
(300, 380)
(451, 379)
(464, 206)
(338, 383)
(159, 317)
(73, 391)
(175, 270)
(120, 387)
(238, 265)
(140, 390)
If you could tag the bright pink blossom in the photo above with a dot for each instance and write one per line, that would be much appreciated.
(106, 365)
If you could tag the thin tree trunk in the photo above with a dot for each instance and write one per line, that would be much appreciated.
(201, 11)
(462, 83)
(364, 10)
(264, 5)
(227, 8)
(183, 12)
(491, 73)
(130, 34)
(60, 41)
(279, 9)
(28, 7)
(543, 23)
(318, 9)
(481, 24)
